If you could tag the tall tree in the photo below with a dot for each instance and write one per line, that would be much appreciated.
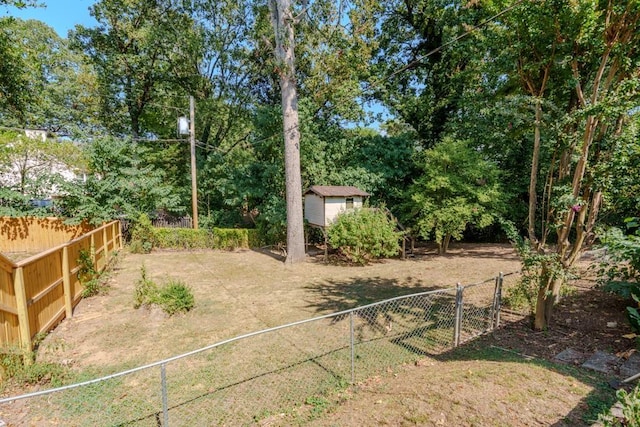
(13, 77)
(458, 188)
(135, 50)
(283, 21)
(60, 84)
(593, 52)
(420, 74)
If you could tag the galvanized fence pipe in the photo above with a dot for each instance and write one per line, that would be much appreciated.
(165, 398)
(352, 348)
(458, 314)
(498, 299)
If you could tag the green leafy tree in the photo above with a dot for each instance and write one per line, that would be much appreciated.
(13, 80)
(365, 234)
(135, 51)
(59, 84)
(118, 183)
(457, 188)
(420, 73)
(35, 168)
(572, 69)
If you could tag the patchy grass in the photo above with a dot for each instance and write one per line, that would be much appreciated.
(299, 375)
(476, 385)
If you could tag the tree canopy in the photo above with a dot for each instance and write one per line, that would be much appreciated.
(522, 110)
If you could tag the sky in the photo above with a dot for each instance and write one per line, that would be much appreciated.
(62, 15)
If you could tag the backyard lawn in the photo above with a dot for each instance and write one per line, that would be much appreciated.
(245, 291)
(501, 379)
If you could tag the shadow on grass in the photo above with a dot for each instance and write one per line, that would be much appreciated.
(338, 295)
(430, 329)
(585, 413)
(475, 250)
(388, 333)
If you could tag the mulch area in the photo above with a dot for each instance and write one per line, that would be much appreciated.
(589, 320)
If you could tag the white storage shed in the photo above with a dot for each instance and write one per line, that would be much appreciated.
(323, 203)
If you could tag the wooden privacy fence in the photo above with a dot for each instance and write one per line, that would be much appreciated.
(35, 234)
(38, 292)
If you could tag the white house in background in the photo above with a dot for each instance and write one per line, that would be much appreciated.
(36, 134)
(323, 203)
(25, 164)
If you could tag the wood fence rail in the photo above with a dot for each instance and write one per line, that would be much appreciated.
(38, 292)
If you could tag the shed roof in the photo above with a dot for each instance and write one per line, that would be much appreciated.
(336, 191)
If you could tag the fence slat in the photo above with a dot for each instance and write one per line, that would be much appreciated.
(105, 245)
(23, 313)
(66, 281)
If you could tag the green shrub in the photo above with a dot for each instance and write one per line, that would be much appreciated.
(364, 234)
(93, 281)
(521, 297)
(142, 236)
(174, 297)
(21, 368)
(88, 276)
(182, 238)
(218, 238)
(630, 404)
(622, 262)
(145, 290)
(619, 271)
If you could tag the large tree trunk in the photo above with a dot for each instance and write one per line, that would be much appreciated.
(282, 22)
(548, 296)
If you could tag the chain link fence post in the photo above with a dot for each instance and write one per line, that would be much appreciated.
(458, 315)
(352, 344)
(165, 400)
(494, 304)
(498, 299)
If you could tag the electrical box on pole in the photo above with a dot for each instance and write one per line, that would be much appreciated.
(183, 126)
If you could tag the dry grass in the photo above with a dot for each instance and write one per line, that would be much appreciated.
(245, 291)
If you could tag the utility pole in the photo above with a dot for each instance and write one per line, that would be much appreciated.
(192, 137)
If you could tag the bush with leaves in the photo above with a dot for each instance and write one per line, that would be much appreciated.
(534, 265)
(142, 237)
(145, 290)
(88, 276)
(174, 297)
(622, 263)
(217, 238)
(365, 234)
(619, 270)
(630, 406)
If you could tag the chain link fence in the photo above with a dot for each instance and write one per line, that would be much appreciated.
(273, 376)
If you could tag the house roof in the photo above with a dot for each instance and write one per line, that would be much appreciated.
(336, 191)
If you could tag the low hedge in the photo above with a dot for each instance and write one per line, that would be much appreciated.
(218, 238)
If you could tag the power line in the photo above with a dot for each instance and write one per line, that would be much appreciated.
(450, 42)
